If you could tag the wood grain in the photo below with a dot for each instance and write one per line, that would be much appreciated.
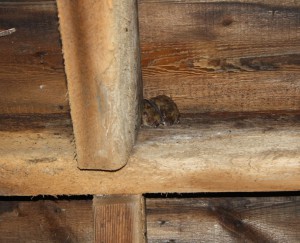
(206, 154)
(212, 218)
(212, 56)
(46, 221)
(32, 78)
(234, 219)
(222, 56)
(285, 3)
(119, 219)
(101, 53)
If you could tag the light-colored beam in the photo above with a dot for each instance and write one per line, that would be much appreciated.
(203, 156)
(101, 52)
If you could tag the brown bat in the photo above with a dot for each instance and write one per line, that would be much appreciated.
(168, 109)
(151, 116)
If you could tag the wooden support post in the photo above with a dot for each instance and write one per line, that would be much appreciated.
(119, 219)
(101, 52)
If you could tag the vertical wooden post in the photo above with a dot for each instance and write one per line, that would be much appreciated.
(119, 219)
(102, 63)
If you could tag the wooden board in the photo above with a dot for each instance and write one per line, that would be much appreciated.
(204, 154)
(101, 52)
(32, 78)
(285, 3)
(222, 55)
(210, 218)
(46, 221)
(234, 219)
(225, 60)
(119, 218)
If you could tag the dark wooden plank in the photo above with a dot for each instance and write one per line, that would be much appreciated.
(46, 221)
(119, 219)
(36, 123)
(222, 56)
(32, 78)
(235, 219)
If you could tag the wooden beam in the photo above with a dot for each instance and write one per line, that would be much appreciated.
(101, 52)
(218, 153)
(224, 219)
(119, 219)
(285, 3)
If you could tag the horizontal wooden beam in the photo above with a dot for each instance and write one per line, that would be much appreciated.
(204, 154)
(286, 3)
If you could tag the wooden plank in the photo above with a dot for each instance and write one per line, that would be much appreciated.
(101, 52)
(32, 78)
(227, 219)
(250, 65)
(212, 218)
(206, 154)
(216, 55)
(119, 219)
(46, 221)
(285, 3)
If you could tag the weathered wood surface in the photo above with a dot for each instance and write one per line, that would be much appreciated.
(205, 154)
(32, 78)
(101, 53)
(198, 219)
(222, 55)
(212, 56)
(285, 3)
(46, 221)
(119, 218)
(234, 219)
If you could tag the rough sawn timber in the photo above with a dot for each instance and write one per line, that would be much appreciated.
(32, 77)
(249, 65)
(101, 52)
(217, 56)
(45, 220)
(206, 154)
(119, 218)
(224, 219)
(208, 218)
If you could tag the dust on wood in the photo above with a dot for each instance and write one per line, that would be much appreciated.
(224, 219)
(46, 221)
(35, 122)
(209, 154)
(183, 219)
